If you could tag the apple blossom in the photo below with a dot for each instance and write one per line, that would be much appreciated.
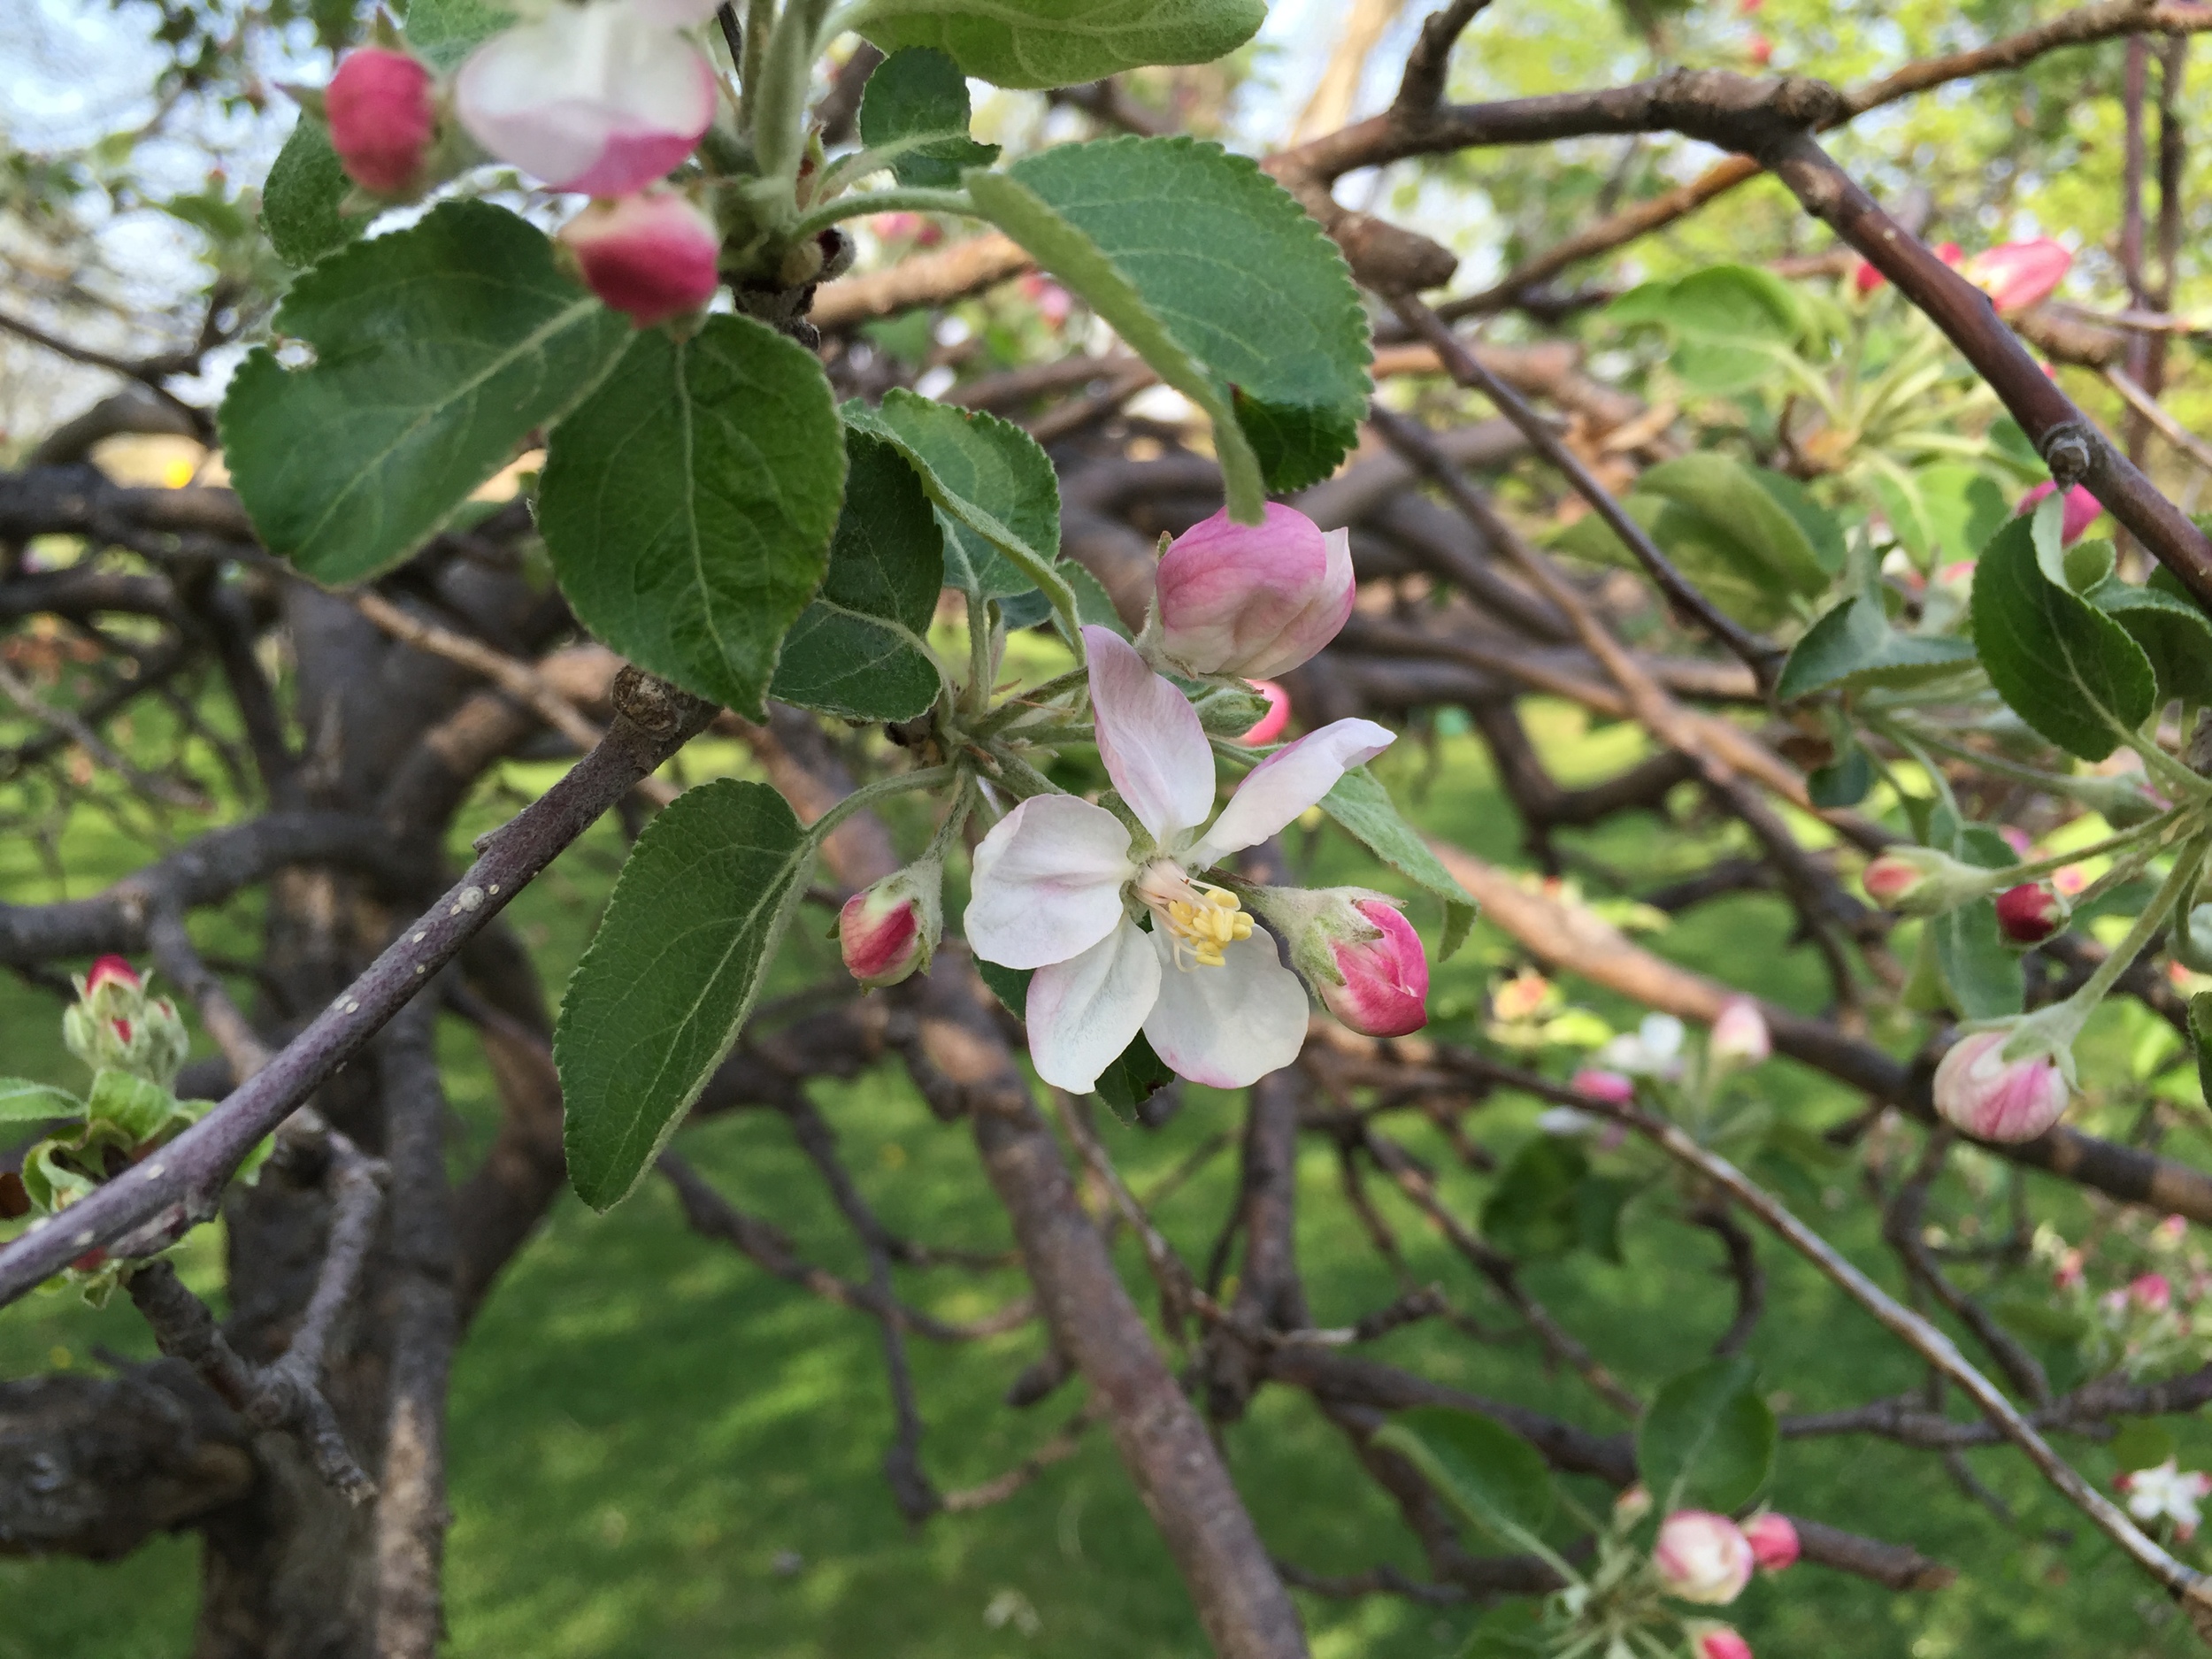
(603, 97)
(2081, 509)
(1058, 877)
(1702, 1557)
(1708, 1640)
(1603, 1085)
(1979, 1090)
(2167, 1490)
(2029, 913)
(2017, 275)
(2153, 1292)
(1654, 1049)
(115, 1024)
(1252, 600)
(1773, 1540)
(382, 117)
(650, 256)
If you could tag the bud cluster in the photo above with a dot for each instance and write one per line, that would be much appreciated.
(115, 1025)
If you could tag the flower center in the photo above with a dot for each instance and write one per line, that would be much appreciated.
(1199, 919)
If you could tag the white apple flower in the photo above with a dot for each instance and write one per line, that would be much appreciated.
(1654, 1051)
(2170, 1491)
(603, 97)
(1058, 881)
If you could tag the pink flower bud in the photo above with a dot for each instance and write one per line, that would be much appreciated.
(1385, 980)
(1605, 1086)
(2168, 1233)
(381, 118)
(651, 255)
(1632, 1505)
(1866, 279)
(1270, 725)
(1921, 882)
(1702, 1557)
(2016, 275)
(116, 968)
(1252, 600)
(1740, 1033)
(1717, 1641)
(2082, 510)
(2069, 1272)
(891, 931)
(2031, 913)
(1773, 1540)
(2151, 1292)
(1760, 51)
(1980, 1091)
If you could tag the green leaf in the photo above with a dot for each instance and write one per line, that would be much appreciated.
(1963, 507)
(1039, 43)
(660, 997)
(300, 202)
(1707, 1439)
(24, 1101)
(1136, 1075)
(444, 31)
(1983, 975)
(1011, 985)
(860, 649)
(916, 111)
(1599, 1200)
(1482, 1468)
(689, 504)
(1824, 531)
(1360, 805)
(1533, 1210)
(1211, 272)
(1769, 546)
(2141, 1443)
(2172, 632)
(1853, 645)
(136, 1107)
(439, 348)
(2066, 668)
(994, 490)
(2030, 1315)
(1729, 323)
(2201, 1039)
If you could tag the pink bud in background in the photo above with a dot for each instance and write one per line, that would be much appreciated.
(1702, 1557)
(1866, 279)
(116, 968)
(2016, 275)
(2031, 913)
(2151, 1292)
(1760, 51)
(1634, 1503)
(2081, 510)
(1773, 1541)
(1980, 1091)
(651, 255)
(891, 931)
(2167, 1235)
(1252, 600)
(1922, 881)
(603, 97)
(1386, 981)
(1605, 1086)
(381, 118)
(1740, 1033)
(1054, 303)
(1270, 725)
(923, 233)
(1717, 1641)
(2067, 1273)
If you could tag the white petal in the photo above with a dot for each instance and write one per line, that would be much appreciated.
(1082, 1013)
(1286, 783)
(1047, 882)
(1230, 1026)
(1150, 738)
(672, 15)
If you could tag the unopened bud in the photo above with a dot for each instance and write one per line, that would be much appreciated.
(1358, 952)
(650, 256)
(2120, 799)
(382, 118)
(891, 931)
(1598, 1084)
(1708, 1640)
(2017, 275)
(1773, 1540)
(1702, 1557)
(114, 1025)
(1632, 1505)
(1921, 882)
(2031, 913)
(2153, 1293)
(1982, 1092)
(1252, 600)
(1739, 1034)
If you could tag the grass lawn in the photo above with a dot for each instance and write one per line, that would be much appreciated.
(660, 1453)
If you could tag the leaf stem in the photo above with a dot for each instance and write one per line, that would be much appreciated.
(881, 789)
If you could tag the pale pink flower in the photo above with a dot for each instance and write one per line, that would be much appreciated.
(2169, 1492)
(1252, 600)
(1702, 1557)
(1979, 1091)
(1740, 1033)
(2017, 275)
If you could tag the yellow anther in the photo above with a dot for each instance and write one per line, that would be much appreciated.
(1204, 926)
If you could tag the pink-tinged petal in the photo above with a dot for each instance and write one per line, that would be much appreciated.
(1287, 782)
(1047, 882)
(588, 98)
(1150, 738)
(1083, 1012)
(651, 255)
(1228, 1027)
(1252, 600)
